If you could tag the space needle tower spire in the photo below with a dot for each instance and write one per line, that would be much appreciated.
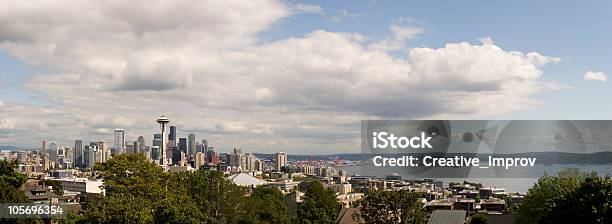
(163, 121)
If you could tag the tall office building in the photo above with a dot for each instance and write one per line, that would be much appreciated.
(250, 162)
(95, 154)
(78, 154)
(191, 145)
(182, 145)
(212, 156)
(176, 156)
(129, 147)
(172, 137)
(60, 152)
(157, 140)
(155, 153)
(281, 160)
(119, 141)
(205, 146)
(199, 160)
(53, 152)
(237, 150)
(140, 144)
(44, 148)
(67, 161)
(86, 156)
(236, 159)
(104, 151)
(146, 152)
(199, 147)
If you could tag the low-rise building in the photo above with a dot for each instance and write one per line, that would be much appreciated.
(441, 204)
(285, 185)
(81, 185)
(492, 205)
(341, 188)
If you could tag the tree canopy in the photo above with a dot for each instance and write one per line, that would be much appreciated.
(549, 193)
(590, 203)
(10, 189)
(401, 206)
(11, 182)
(320, 205)
(139, 191)
(478, 219)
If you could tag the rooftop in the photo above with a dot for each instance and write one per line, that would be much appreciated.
(447, 217)
(243, 179)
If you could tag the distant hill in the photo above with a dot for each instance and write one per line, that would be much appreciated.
(543, 157)
(8, 148)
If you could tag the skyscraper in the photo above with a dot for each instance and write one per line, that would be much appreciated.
(157, 140)
(129, 147)
(182, 145)
(103, 150)
(53, 152)
(176, 157)
(250, 162)
(147, 153)
(95, 155)
(205, 146)
(172, 136)
(199, 160)
(236, 159)
(44, 148)
(155, 153)
(141, 144)
(212, 156)
(67, 161)
(119, 141)
(86, 156)
(79, 158)
(191, 146)
(281, 160)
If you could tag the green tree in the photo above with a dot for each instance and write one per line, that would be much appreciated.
(392, 207)
(320, 205)
(478, 219)
(139, 191)
(217, 197)
(266, 205)
(591, 203)
(56, 185)
(134, 175)
(10, 189)
(11, 182)
(542, 198)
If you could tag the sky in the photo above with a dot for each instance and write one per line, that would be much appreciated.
(293, 76)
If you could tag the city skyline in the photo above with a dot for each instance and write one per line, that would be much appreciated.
(294, 76)
(121, 144)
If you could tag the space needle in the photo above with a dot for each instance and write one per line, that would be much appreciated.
(163, 121)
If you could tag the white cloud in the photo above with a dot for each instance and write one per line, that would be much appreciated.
(595, 76)
(306, 8)
(7, 124)
(121, 67)
(405, 33)
(400, 35)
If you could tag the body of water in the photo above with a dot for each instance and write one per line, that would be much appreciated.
(511, 184)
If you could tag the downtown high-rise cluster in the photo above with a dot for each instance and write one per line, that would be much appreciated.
(164, 149)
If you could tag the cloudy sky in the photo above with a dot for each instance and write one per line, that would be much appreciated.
(294, 76)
